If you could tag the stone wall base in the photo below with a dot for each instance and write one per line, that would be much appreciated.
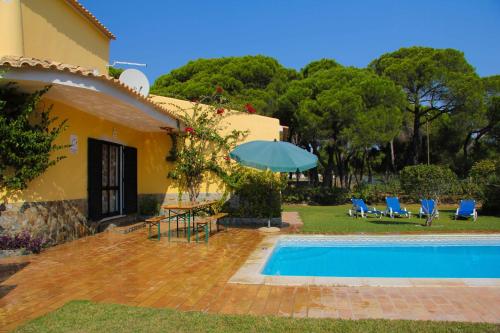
(65, 220)
(56, 221)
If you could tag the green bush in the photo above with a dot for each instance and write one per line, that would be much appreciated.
(491, 203)
(257, 194)
(430, 181)
(315, 195)
(482, 171)
(376, 193)
(297, 194)
(481, 174)
(491, 192)
(149, 206)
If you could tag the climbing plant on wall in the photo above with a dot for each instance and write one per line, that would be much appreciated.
(202, 147)
(28, 133)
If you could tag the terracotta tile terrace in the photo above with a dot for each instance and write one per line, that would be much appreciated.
(130, 269)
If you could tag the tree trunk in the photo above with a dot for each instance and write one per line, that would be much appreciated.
(328, 174)
(393, 156)
(361, 172)
(466, 146)
(415, 140)
(428, 220)
(340, 169)
(314, 177)
(369, 169)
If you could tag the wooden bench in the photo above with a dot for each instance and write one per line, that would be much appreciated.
(217, 219)
(156, 220)
(206, 224)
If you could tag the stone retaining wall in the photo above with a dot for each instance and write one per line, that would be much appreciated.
(56, 221)
(62, 221)
(65, 220)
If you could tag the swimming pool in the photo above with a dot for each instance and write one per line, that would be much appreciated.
(386, 257)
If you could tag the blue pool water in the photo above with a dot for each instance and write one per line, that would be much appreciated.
(473, 260)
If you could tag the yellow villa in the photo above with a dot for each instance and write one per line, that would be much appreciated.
(118, 138)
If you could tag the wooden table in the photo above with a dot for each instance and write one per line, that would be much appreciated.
(190, 209)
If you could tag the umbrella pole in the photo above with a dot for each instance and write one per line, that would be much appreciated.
(270, 213)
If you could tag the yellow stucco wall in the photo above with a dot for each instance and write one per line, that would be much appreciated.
(260, 127)
(53, 30)
(68, 178)
(11, 28)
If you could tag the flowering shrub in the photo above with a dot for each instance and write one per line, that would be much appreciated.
(23, 240)
(202, 148)
(250, 108)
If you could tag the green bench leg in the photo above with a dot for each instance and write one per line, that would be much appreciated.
(189, 227)
(169, 225)
(149, 230)
(196, 233)
(169, 230)
(206, 233)
(159, 233)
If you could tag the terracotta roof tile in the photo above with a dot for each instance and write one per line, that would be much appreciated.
(86, 13)
(23, 62)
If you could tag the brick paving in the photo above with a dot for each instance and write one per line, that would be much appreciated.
(130, 269)
(292, 221)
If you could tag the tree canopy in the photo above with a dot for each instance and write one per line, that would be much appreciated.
(257, 80)
(361, 121)
(436, 82)
(342, 112)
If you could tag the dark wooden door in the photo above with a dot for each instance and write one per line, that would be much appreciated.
(130, 180)
(94, 182)
(110, 179)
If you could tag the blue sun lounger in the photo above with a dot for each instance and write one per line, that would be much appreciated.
(466, 209)
(428, 207)
(359, 207)
(394, 208)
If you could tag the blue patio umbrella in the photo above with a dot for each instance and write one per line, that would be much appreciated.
(277, 156)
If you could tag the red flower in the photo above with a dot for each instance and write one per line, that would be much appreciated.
(195, 100)
(220, 111)
(250, 108)
(189, 130)
(219, 90)
(226, 158)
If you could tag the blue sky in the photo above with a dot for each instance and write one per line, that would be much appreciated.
(167, 34)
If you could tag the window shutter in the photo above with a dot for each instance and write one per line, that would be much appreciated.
(94, 183)
(130, 180)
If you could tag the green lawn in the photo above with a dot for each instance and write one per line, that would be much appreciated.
(84, 316)
(334, 219)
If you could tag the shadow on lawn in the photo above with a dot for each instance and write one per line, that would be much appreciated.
(387, 222)
(6, 271)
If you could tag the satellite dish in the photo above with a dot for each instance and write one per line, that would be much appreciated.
(136, 80)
